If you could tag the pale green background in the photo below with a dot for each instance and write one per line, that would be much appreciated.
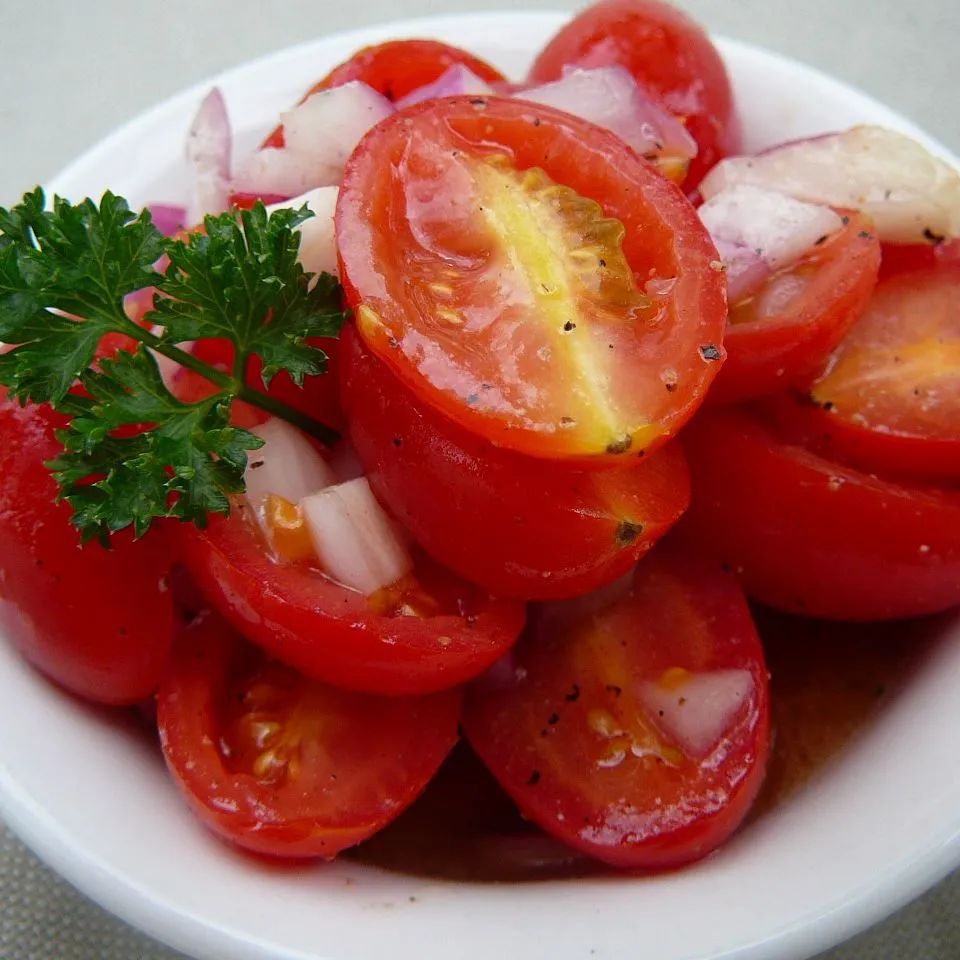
(70, 71)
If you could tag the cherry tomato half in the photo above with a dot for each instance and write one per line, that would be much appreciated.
(97, 621)
(396, 68)
(428, 635)
(526, 274)
(637, 732)
(783, 333)
(284, 766)
(810, 536)
(889, 396)
(499, 518)
(668, 54)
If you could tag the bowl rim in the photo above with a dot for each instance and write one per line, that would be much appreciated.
(72, 858)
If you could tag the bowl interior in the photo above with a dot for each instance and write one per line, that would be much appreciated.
(90, 794)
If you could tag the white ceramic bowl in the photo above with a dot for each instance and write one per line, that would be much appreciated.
(91, 796)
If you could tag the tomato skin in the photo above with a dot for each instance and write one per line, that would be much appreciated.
(396, 68)
(810, 536)
(668, 54)
(508, 522)
(96, 621)
(546, 719)
(662, 364)
(364, 768)
(331, 633)
(788, 345)
(900, 258)
(896, 456)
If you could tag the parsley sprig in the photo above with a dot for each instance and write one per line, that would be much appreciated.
(132, 451)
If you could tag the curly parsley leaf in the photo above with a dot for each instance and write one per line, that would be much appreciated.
(60, 265)
(132, 451)
(241, 279)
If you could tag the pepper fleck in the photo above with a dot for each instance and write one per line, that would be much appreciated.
(257, 464)
(534, 778)
(935, 238)
(397, 441)
(614, 689)
(573, 695)
(569, 325)
(619, 446)
(709, 352)
(553, 719)
(820, 240)
(627, 532)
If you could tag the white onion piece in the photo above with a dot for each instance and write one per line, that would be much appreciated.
(698, 711)
(456, 80)
(355, 541)
(208, 153)
(287, 465)
(758, 231)
(319, 135)
(326, 128)
(611, 98)
(318, 246)
(275, 171)
(911, 195)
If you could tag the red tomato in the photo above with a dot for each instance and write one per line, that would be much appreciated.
(899, 258)
(668, 54)
(285, 766)
(638, 732)
(526, 274)
(889, 396)
(97, 621)
(428, 635)
(810, 536)
(783, 333)
(396, 68)
(496, 517)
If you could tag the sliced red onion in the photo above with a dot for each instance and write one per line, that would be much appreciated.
(744, 269)
(318, 246)
(319, 136)
(696, 712)
(208, 153)
(911, 195)
(168, 218)
(611, 98)
(456, 80)
(356, 542)
(758, 232)
(287, 465)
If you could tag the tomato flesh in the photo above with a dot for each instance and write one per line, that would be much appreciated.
(668, 54)
(582, 722)
(97, 621)
(811, 536)
(889, 396)
(448, 632)
(530, 277)
(784, 332)
(496, 517)
(285, 766)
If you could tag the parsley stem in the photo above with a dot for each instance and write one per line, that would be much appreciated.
(256, 398)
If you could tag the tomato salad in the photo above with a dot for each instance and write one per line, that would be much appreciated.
(473, 408)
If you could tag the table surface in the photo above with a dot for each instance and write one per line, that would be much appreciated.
(71, 72)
